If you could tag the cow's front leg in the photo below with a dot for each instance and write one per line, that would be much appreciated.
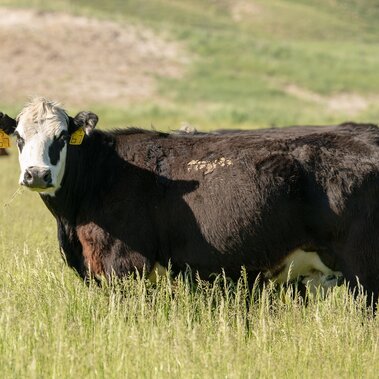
(106, 256)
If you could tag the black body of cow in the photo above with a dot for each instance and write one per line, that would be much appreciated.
(219, 201)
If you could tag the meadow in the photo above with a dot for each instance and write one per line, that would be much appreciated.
(249, 64)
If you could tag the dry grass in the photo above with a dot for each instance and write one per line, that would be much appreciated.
(81, 60)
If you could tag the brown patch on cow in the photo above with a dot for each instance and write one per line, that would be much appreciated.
(84, 60)
(90, 237)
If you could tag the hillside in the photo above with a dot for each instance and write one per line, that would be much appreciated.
(214, 64)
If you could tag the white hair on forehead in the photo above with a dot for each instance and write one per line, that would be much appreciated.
(40, 109)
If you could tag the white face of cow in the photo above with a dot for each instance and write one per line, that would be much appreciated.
(42, 137)
(43, 131)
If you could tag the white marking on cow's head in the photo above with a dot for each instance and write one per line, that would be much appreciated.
(43, 131)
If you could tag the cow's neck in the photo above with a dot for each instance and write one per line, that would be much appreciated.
(90, 170)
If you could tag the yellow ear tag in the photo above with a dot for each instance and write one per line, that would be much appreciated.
(77, 137)
(4, 140)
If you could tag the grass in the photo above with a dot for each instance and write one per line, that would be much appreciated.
(52, 325)
(136, 330)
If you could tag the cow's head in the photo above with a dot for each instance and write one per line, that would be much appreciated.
(42, 130)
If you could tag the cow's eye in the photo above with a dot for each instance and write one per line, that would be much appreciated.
(63, 136)
(20, 141)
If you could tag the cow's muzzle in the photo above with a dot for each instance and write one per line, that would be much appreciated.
(37, 178)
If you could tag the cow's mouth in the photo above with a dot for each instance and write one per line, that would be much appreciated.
(37, 178)
(49, 188)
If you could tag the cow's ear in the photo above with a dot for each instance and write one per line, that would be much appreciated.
(86, 120)
(7, 124)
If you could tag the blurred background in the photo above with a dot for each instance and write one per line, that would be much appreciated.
(207, 63)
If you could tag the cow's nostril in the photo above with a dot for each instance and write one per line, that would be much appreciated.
(36, 177)
(28, 176)
(47, 177)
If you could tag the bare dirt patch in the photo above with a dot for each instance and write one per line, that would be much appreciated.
(242, 10)
(80, 60)
(348, 103)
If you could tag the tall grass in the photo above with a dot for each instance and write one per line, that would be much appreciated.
(52, 325)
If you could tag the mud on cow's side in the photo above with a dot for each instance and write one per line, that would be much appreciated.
(293, 203)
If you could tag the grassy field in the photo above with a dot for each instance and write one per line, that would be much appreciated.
(263, 63)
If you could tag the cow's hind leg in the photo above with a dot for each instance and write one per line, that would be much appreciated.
(360, 259)
(317, 280)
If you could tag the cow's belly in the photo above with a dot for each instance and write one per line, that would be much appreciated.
(299, 265)
(306, 266)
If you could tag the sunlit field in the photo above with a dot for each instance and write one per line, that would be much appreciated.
(246, 64)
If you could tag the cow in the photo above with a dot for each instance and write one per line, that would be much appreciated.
(298, 203)
(7, 123)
